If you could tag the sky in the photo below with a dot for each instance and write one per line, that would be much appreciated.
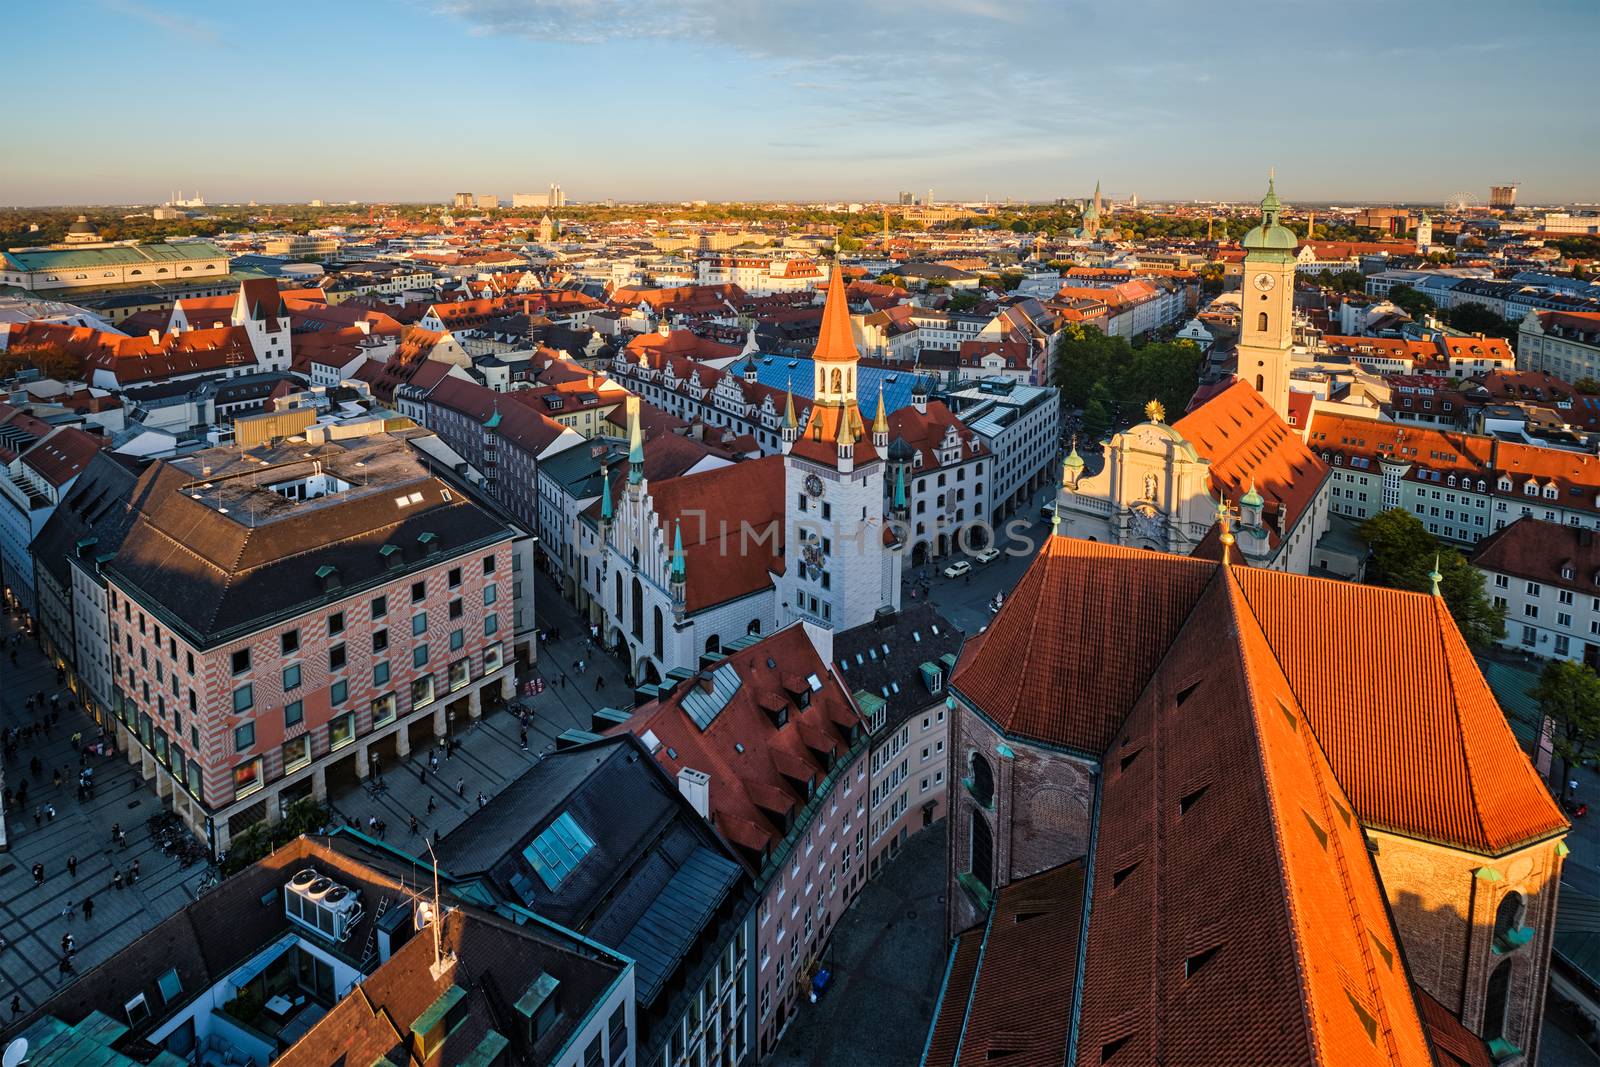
(124, 101)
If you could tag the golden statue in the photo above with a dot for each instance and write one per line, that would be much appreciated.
(1155, 412)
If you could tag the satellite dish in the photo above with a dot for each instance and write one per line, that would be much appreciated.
(16, 1053)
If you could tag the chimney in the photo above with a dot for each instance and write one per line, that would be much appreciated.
(696, 788)
(155, 337)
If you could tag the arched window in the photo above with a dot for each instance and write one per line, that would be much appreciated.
(1495, 1002)
(713, 643)
(638, 609)
(980, 856)
(1508, 918)
(754, 627)
(981, 782)
(836, 381)
(1261, 383)
(1261, 322)
(660, 636)
(619, 600)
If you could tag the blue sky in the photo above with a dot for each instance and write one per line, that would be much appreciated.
(117, 101)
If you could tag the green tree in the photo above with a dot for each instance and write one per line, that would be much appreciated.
(963, 300)
(1587, 386)
(1401, 555)
(1475, 318)
(1569, 694)
(1096, 420)
(1411, 302)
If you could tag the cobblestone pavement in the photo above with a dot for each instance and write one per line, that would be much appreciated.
(887, 956)
(31, 917)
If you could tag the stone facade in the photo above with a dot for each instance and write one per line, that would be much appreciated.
(1462, 919)
(1041, 813)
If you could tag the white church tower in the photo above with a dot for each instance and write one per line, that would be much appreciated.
(840, 565)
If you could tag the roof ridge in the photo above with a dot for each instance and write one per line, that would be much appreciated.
(1236, 597)
(1446, 659)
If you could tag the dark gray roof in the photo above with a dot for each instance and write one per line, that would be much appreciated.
(96, 507)
(213, 575)
(885, 657)
(656, 881)
(675, 919)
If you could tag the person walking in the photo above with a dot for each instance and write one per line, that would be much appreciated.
(38, 874)
(413, 825)
(72, 865)
(430, 805)
(116, 881)
(461, 788)
(16, 998)
(133, 872)
(88, 908)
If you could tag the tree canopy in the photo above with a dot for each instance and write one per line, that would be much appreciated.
(1569, 694)
(1110, 379)
(1402, 553)
(1412, 302)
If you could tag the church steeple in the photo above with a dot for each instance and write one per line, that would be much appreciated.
(635, 444)
(880, 423)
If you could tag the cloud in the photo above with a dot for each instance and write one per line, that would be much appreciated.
(165, 21)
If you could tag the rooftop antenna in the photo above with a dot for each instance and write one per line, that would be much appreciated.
(439, 962)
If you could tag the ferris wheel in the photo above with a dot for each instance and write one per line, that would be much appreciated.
(1459, 202)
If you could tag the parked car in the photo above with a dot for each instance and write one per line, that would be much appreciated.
(988, 555)
(957, 569)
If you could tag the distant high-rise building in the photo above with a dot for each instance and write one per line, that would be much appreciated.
(557, 197)
(530, 200)
(1503, 196)
(907, 199)
(462, 200)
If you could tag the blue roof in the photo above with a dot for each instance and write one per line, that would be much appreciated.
(667, 930)
(778, 371)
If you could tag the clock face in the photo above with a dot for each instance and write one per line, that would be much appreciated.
(813, 485)
(1265, 281)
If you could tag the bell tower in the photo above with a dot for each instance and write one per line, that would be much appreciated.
(1266, 304)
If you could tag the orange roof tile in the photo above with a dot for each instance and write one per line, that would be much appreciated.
(1246, 441)
(1414, 737)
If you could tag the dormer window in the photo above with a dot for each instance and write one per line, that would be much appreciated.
(1530, 488)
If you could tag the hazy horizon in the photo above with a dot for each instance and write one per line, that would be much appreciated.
(410, 101)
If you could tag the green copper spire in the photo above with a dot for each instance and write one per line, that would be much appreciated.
(900, 487)
(677, 552)
(1269, 203)
(1252, 499)
(635, 445)
(1434, 576)
(605, 493)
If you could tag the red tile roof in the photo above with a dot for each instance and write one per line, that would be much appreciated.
(732, 521)
(755, 785)
(1246, 441)
(62, 455)
(1550, 553)
(1217, 803)
(1414, 737)
(1014, 1002)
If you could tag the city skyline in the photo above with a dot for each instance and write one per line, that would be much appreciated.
(972, 98)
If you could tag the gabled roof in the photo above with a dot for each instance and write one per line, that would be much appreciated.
(1217, 804)
(756, 766)
(1415, 738)
(1246, 442)
(1009, 988)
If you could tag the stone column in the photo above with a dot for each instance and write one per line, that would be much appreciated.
(319, 783)
(363, 764)
(439, 727)
(402, 740)
(475, 703)
(508, 685)
(274, 807)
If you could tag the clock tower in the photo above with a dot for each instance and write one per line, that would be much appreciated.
(1266, 304)
(840, 565)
